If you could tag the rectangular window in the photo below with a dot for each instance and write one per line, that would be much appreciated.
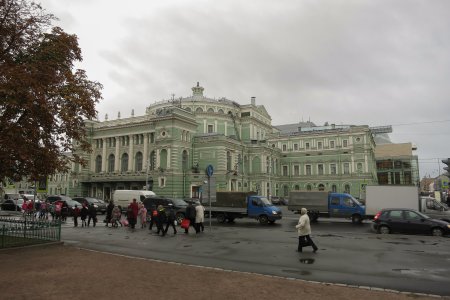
(346, 168)
(296, 170)
(345, 143)
(284, 148)
(295, 147)
(319, 145)
(331, 144)
(285, 171)
(210, 128)
(308, 169)
(307, 146)
(320, 169)
(333, 169)
(152, 137)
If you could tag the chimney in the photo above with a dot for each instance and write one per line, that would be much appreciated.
(253, 101)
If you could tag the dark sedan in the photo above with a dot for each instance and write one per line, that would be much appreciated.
(409, 221)
(100, 205)
(12, 205)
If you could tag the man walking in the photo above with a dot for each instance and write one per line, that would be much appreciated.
(171, 219)
(304, 231)
(190, 214)
(132, 213)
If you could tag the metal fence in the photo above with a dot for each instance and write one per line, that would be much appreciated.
(15, 232)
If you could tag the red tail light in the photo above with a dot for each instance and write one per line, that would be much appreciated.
(377, 216)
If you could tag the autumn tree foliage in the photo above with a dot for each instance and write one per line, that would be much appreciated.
(43, 98)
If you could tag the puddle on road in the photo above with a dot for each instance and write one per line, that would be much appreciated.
(300, 272)
(329, 235)
(307, 261)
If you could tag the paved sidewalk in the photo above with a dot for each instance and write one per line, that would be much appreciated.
(64, 272)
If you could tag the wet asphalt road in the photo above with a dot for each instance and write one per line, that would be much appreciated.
(348, 254)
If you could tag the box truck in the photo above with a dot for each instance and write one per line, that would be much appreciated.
(123, 198)
(327, 204)
(396, 196)
(232, 205)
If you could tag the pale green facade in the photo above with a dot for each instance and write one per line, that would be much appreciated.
(171, 145)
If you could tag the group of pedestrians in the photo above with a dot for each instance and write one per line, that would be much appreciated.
(88, 212)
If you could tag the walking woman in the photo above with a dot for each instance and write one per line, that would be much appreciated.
(304, 231)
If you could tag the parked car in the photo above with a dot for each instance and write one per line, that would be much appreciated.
(284, 201)
(100, 205)
(179, 205)
(70, 203)
(55, 198)
(9, 196)
(12, 205)
(275, 200)
(408, 221)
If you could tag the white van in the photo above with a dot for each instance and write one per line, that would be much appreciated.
(123, 198)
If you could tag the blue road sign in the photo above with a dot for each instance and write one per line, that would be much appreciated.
(209, 170)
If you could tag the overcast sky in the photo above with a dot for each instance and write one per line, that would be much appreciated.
(380, 62)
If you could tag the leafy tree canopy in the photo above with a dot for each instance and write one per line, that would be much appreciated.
(43, 98)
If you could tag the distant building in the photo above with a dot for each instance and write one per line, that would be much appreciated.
(168, 149)
(396, 164)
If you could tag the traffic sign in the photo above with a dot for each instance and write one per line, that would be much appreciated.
(209, 170)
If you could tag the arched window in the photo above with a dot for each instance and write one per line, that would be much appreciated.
(184, 160)
(124, 163)
(111, 160)
(308, 187)
(228, 161)
(297, 187)
(152, 160)
(321, 187)
(163, 159)
(98, 164)
(220, 111)
(286, 191)
(256, 165)
(199, 110)
(188, 109)
(210, 110)
(347, 189)
(334, 188)
(139, 161)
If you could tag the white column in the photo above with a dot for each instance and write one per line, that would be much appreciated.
(104, 158)
(168, 158)
(226, 131)
(204, 126)
(117, 160)
(145, 154)
(93, 157)
(131, 154)
(251, 131)
(158, 163)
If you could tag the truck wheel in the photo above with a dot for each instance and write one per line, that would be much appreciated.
(271, 221)
(221, 218)
(356, 219)
(263, 219)
(436, 232)
(384, 230)
(230, 220)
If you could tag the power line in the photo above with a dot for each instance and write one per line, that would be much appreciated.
(418, 123)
